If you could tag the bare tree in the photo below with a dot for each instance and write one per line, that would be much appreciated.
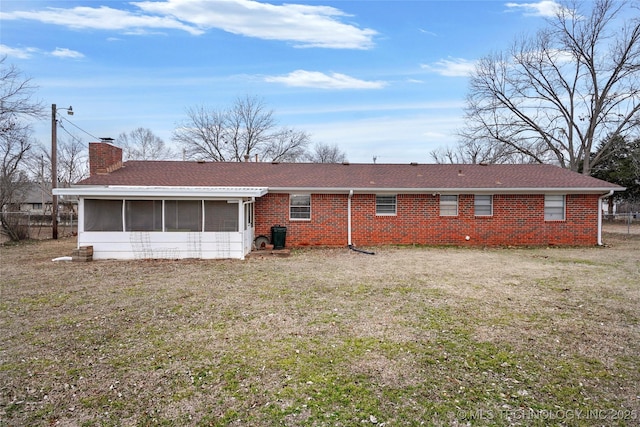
(287, 145)
(73, 162)
(142, 144)
(245, 130)
(15, 149)
(15, 94)
(203, 134)
(255, 123)
(16, 107)
(325, 153)
(475, 152)
(550, 97)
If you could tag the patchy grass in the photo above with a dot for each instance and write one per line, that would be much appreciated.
(440, 336)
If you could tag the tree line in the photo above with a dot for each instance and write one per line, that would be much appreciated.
(567, 95)
(246, 131)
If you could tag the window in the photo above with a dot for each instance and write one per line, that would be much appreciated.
(183, 215)
(385, 205)
(248, 216)
(220, 216)
(300, 206)
(102, 215)
(448, 205)
(483, 205)
(554, 207)
(143, 215)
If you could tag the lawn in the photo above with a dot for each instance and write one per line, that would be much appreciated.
(408, 336)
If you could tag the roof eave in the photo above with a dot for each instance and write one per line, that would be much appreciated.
(443, 190)
(231, 191)
(162, 191)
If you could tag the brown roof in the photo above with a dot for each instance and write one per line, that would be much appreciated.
(319, 176)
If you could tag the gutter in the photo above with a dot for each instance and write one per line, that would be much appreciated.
(161, 191)
(442, 190)
(609, 194)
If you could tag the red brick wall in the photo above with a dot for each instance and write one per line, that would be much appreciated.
(517, 220)
(104, 158)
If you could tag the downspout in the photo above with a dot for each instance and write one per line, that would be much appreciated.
(350, 245)
(349, 218)
(609, 194)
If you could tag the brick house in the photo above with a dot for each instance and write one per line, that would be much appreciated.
(173, 209)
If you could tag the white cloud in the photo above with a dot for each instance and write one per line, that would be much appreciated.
(28, 52)
(427, 32)
(20, 53)
(316, 79)
(302, 25)
(546, 8)
(101, 18)
(67, 53)
(452, 67)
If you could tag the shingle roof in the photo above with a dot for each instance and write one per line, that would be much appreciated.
(318, 176)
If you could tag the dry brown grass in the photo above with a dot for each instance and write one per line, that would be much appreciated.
(443, 336)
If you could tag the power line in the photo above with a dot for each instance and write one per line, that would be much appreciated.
(70, 134)
(78, 127)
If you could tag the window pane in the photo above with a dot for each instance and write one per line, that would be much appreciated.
(482, 204)
(300, 206)
(102, 215)
(143, 215)
(183, 215)
(248, 216)
(448, 205)
(385, 205)
(554, 207)
(220, 216)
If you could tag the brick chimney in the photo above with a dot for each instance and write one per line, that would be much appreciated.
(104, 158)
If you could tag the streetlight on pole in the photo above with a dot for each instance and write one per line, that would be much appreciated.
(54, 167)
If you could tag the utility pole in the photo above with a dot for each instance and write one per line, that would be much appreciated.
(54, 172)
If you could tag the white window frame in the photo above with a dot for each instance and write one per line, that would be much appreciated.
(151, 225)
(178, 220)
(447, 203)
(555, 207)
(109, 210)
(386, 205)
(483, 199)
(299, 214)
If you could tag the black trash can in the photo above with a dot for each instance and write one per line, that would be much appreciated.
(278, 236)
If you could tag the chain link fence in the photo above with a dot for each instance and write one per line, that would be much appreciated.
(31, 225)
(624, 219)
(625, 212)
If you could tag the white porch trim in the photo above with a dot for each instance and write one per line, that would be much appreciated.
(161, 191)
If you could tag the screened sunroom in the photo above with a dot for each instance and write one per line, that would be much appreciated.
(166, 222)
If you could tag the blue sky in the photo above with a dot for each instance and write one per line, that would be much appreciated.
(384, 79)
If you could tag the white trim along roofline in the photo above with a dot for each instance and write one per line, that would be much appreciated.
(160, 191)
(468, 190)
(194, 191)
